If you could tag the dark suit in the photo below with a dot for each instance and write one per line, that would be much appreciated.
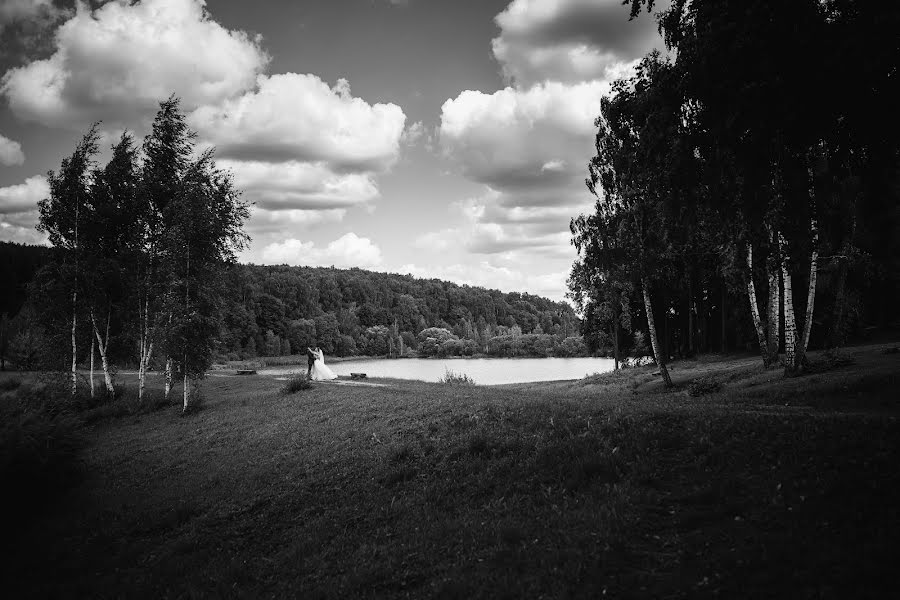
(310, 359)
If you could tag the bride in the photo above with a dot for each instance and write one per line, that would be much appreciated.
(319, 371)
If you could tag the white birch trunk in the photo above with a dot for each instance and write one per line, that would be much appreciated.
(92, 366)
(103, 346)
(74, 346)
(186, 392)
(654, 343)
(754, 309)
(790, 323)
(169, 376)
(813, 267)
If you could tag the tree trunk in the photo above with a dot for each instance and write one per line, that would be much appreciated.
(813, 266)
(616, 341)
(169, 376)
(722, 310)
(774, 306)
(790, 323)
(74, 346)
(92, 366)
(754, 309)
(187, 391)
(690, 316)
(654, 343)
(103, 345)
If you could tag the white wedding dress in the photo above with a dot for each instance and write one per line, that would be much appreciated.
(319, 371)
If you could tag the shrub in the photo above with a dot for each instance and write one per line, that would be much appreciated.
(8, 385)
(453, 378)
(39, 449)
(703, 386)
(296, 384)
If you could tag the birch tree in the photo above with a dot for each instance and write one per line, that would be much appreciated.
(109, 246)
(206, 233)
(166, 157)
(633, 168)
(61, 216)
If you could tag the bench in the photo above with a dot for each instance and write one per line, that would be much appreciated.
(357, 375)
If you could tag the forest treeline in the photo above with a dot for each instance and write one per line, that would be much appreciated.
(747, 183)
(280, 310)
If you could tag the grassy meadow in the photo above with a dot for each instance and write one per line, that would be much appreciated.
(738, 484)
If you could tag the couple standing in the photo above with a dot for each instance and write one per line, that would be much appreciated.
(316, 369)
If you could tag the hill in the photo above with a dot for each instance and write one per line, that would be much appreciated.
(280, 310)
(770, 487)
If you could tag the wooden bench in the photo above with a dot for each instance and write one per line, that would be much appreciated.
(357, 375)
(246, 372)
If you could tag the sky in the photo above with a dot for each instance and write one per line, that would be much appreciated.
(439, 138)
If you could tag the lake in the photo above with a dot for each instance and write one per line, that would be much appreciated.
(485, 371)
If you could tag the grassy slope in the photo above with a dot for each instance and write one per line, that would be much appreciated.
(770, 487)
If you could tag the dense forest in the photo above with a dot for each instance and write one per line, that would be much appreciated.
(744, 197)
(280, 310)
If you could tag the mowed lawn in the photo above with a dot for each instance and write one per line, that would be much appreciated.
(766, 488)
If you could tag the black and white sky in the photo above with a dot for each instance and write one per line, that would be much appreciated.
(441, 138)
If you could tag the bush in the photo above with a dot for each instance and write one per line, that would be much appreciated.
(703, 386)
(8, 385)
(39, 449)
(453, 378)
(296, 384)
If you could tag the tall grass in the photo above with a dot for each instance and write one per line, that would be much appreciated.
(454, 378)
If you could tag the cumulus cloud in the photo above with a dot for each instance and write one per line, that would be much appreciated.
(10, 152)
(267, 222)
(18, 210)
(117, 62)
(528, 143)
(299, 117)
(349, 250)
(23, 197)
(525, 139)
(15, 11)
(299, 185)
(570, 40)
(298, 147)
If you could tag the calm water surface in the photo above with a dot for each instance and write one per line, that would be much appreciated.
(485, 371)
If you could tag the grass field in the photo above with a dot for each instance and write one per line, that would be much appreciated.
(768, 487)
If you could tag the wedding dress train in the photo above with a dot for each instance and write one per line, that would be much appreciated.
(319, 371)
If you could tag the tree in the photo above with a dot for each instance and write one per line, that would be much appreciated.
(633, 164)
(61, 214)
(167, 151)
(109, 233)
(205, 234)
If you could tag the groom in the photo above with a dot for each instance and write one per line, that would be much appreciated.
(310, 359)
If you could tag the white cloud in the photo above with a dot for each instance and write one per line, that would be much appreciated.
(299, 117)
(413, 133)
(10, 152)
(269, 222)
(529, 143)
(523, 138)
(23, 197)
(299, 185)
(347, 251)
(12, 11)
(570, 40)
(117, 62)
(18, 210)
